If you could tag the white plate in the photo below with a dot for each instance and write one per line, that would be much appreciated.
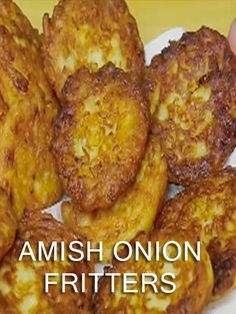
(227, 305)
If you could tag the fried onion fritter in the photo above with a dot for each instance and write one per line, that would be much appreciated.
(8, 224)
(208, 208)
(22, 282)
(100, 136)
(132, 213)
(90, 33)
(193, 279)
(27, 113)
(191, 88)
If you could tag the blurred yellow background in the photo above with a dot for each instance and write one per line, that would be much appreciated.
(156, 16)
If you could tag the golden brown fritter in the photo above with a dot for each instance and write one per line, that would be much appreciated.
(90, 33)
(133, 212)
(191, 88)
(208, 208)
(22, 282)
(7, 224)
(101, 136)
(27, 113)
(194, 282)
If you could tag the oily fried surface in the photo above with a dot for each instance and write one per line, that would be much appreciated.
(100, 136)
(132, 213)
(191, 87)
(7, 224)
(22, 282)
(17, 23)
(208, 208)
(194, 281)
(90, 33)
(27, 113)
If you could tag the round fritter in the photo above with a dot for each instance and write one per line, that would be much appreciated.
(27, 114)
(22, 282)
(208, 208)
(90, 33)
(101, 136)
(132, 213)
(8, 224)
(192, 91)
(194, 282)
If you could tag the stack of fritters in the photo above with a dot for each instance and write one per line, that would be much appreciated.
(107, 163)
(191, 99)
(119, 132)
(95, 62)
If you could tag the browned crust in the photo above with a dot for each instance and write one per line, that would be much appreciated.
(207, 209)
(8, 224)
(37, 226)
(27, 109)
(100, 23)
(108, 107)
(194, 282)
(201, 70)
(16, 22)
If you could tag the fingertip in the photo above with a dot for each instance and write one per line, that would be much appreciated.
(232, 36)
